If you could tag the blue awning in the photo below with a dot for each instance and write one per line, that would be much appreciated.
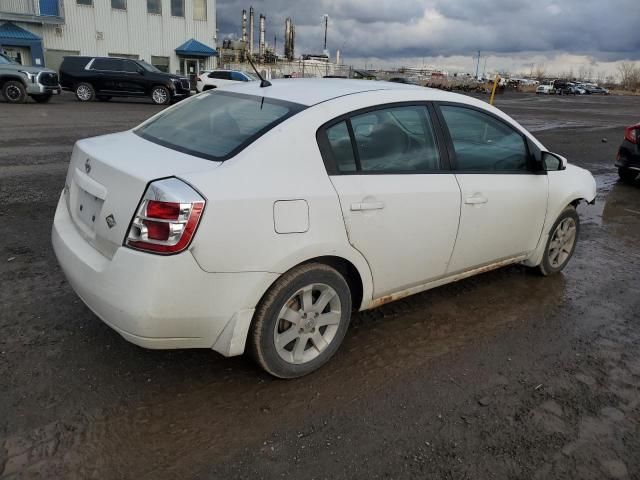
(194, 48)
(9, 31)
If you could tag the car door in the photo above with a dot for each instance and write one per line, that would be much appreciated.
(504, 202)
(133, 80)
(400, 203)
(108, 75)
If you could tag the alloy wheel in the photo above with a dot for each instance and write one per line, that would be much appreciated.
(13, 93)
(159, 96)
(562, 242)
(307, 323)
(83, 92)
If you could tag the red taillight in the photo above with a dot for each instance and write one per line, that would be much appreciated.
(166, 227)
(631, 133)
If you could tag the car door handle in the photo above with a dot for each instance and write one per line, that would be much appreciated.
(476, 199)
(360, 207)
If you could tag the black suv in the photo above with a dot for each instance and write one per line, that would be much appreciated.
(106, 77)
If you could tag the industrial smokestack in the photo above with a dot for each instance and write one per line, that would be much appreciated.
(287, 37)
(261, 49)
(251, 29)
(244, 26)
(338, 57)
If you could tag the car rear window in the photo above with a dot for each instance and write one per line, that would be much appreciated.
(217, 125)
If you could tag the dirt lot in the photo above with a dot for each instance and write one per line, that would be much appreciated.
(506, 375)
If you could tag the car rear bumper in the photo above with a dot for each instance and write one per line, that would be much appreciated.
(159, 302)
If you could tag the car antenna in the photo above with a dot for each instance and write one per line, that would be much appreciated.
(263, 82)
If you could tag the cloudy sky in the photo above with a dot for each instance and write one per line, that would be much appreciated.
(512, 34)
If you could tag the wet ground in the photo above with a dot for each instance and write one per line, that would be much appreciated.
(505, 375)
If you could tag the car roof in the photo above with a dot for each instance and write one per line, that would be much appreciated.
(311, 91)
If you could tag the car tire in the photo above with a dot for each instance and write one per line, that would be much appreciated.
(627, 175)
(160, 95)
(290, 344)
(103, 98)
(14, 91)
(42, 98)
(561, 242)
(84, 92)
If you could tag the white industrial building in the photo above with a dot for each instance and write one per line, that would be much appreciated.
(174, 35)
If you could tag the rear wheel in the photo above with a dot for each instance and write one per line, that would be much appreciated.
(562, 242)
(301, 322)
(85, 92)
(14, 91)
(627, 175)
(160, 95)
(42, 98)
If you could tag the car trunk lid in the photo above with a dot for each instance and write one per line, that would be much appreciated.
(108, 176)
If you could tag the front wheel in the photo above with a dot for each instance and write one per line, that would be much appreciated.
(14, 91)
(301, 322)
(160, 96)
(562, 242)
(42, 98)
(627, 175)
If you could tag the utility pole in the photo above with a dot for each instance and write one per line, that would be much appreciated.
(484, 69)
(478, 65)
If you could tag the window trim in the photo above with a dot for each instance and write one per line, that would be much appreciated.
(529, 146)
(330, 163)
(295, 109)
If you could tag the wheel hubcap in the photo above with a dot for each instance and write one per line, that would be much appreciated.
(562, 242)
(307, 323)
(159, 96)
(83, 93)
(13, 92)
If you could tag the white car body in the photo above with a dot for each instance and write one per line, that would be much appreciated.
(544, 89)
(210, 79)
(274, 206)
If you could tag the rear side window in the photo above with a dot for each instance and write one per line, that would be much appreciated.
(341, 147)
(220, 75)
(217, 125)
(484, 143)
(399, 139)
(108, 64)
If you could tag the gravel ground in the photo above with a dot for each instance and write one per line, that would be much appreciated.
(506, 375)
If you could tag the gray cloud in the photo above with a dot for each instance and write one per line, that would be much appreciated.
(388, 29)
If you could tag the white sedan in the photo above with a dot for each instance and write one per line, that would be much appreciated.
(210, 79)
(261, 217)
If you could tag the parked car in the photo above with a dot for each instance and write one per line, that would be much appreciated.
(544, 89)
(628, 159)
(221, 78)
(594, 90)
(17, 82)
(563, 87)
(262, 216)
(103, 78)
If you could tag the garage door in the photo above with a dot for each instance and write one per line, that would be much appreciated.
(53, 58)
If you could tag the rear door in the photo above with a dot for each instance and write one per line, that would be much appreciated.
(504, 202)
(107, 75)
(400, 204)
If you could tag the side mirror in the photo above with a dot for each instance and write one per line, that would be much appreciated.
(552, 162)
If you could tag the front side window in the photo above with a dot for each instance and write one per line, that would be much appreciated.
(130, 67)
(216, 125)
(199, 9)
(484, 143)
(154, 7)
(119, 4)
(398, 139)
(238, 77)
(177, 8)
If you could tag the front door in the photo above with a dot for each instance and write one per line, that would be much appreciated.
(504, 203)
(401, 209)
(191, 68)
